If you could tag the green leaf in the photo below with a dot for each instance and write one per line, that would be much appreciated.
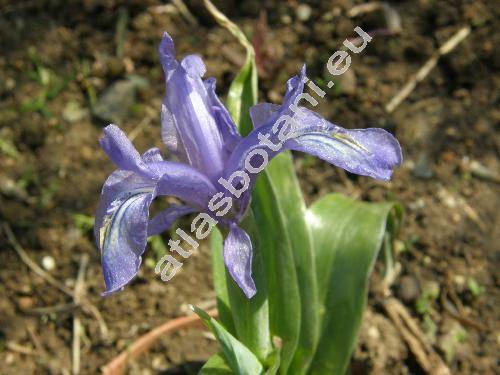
(283, 291)
(8, 148)
(220, 280)
(247, 319)
(475, 288)
(216, 365)
(274, 360)
(83, 222)
(347, 236)
(243, 94)
(251, 316)
(238, 357)
(282, 175)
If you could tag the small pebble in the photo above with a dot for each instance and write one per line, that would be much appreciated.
(408, 288)
(25, 303)
(423, 169)
(9, 358)
(459, 280)
(159, 362)
(348, 82)
(48, 263)
(303, 12)
(374, 333)
(417, 205)
(73, 112)
(274, 96)
(286, 19)
(10, 83)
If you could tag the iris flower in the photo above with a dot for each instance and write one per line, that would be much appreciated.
(214, 164)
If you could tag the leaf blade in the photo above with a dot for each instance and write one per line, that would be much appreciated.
(243, 94)
(216, 365)
(344, 260)
(279, 265)
(247, 319)
(289, 197)
(238, 357)
(220, 281)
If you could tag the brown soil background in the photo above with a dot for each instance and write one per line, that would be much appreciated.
(51, 169)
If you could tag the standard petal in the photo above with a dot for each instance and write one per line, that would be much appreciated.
(238, 259)
(121, 151)
(225, 123)
(121, 226)
(170, 136)
(189, 127)
(166, 218)
(194, 66)
(167, 54)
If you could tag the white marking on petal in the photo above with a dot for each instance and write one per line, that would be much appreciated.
(109, 230)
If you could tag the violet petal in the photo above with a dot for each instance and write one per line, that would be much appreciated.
(238, 259)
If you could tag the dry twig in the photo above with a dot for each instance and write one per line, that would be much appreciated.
(32, 265)
(60, 308)
(427, 358)
(78, 293)
(184, 11)
(87, 306)
(35, 339)
(446, 48)
(364, 8)
(454, 308)
(13, 347)
(481, 171)
(118, 365)
(149, 115)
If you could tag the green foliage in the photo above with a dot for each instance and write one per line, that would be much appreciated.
(237, 356)
(250, 316)
(342, 260)
(158, 250)
(474, 287)
(243, 90)
(221, 279)
(51, 84)
(347, 236)
(424, 302)
(8, 148)
(84, 223)
(286, 190)
(272, 239)
(216, 365)
(84, 73)
(311, 266)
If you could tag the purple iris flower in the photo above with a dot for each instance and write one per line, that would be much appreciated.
(216, 167)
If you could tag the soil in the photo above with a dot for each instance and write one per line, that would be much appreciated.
(57, 57)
